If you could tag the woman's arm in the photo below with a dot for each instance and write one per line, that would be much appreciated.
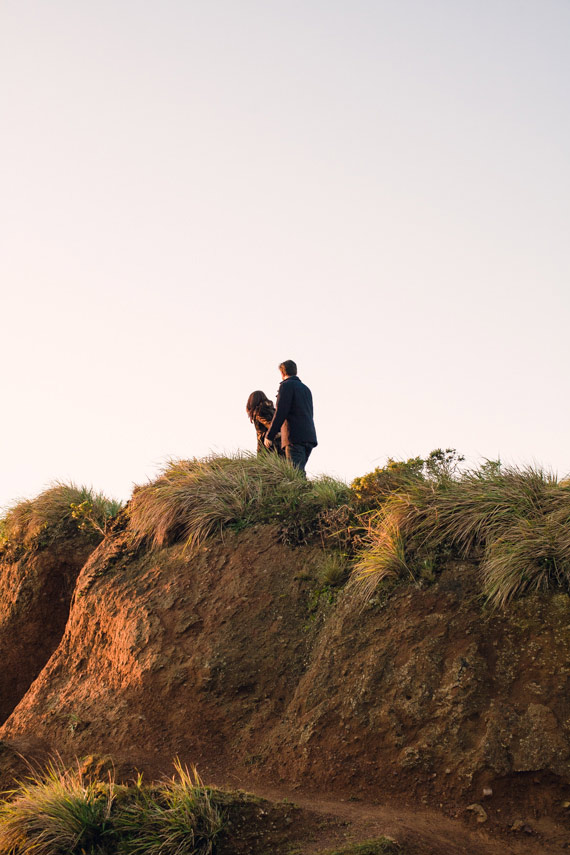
(265, 413)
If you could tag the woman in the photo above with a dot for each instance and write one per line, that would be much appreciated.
(261, 411)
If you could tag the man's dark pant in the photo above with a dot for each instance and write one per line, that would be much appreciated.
(298, 454)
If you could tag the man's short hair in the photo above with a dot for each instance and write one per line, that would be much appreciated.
(289, 367)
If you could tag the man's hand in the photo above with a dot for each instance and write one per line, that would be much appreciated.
(268, 444)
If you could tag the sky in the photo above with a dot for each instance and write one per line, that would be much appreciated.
(196, 190)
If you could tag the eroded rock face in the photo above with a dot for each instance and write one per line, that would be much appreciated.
(215, 657)
(35, 596)
(171, 653)
(431, 693)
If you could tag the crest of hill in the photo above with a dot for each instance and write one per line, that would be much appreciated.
(208, 624)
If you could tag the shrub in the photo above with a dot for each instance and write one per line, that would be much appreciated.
(60, 511)
(399, 476)
(368, 491)
(193, 499)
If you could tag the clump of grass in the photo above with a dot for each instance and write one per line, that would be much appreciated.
(333, 569)
(176, 818)
(517, 521)
(60, 511)
(383, 555)
(477, 508)
(533, 555)
(58, 812)
(61, 812)
(194, 499)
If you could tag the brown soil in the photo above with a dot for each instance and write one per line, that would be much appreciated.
(394, 717)
(35, 594)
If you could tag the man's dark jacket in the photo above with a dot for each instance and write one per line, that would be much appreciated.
(293, 414)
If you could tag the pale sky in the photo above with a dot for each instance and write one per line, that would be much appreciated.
(196, 190)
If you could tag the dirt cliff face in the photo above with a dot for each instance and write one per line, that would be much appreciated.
(427, 694)
(166, 653)
(35, 594)
(224, 658)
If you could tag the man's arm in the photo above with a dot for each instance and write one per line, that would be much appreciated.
(283, 405)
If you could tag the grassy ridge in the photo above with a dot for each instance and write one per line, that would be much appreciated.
(401, 521)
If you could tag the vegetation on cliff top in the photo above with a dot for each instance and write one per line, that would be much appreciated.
(403, 520)
(60, 512)
(193, 499)
(515, 522)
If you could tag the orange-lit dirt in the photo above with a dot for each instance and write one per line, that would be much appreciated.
(395, 717)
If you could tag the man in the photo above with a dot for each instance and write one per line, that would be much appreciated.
(293, 417)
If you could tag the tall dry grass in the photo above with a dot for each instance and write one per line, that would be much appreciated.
(177, 817)
(63, 812)
(56, 812)
(193, 499)
(517, 520)
(62, 510)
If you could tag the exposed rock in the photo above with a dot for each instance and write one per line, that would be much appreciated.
(479, 812)
(219, 656)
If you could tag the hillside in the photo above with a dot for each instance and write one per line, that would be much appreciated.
(237, 655)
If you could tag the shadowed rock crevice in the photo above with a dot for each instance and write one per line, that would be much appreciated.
(35, 596)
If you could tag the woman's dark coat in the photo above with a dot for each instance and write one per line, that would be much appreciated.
(262, 416)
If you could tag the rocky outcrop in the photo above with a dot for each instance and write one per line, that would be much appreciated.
(229, 658)
(428, 693)
(168, 652)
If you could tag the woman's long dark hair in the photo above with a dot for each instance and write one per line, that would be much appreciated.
(254, 400)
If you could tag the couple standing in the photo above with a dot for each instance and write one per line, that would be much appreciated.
(288, 428)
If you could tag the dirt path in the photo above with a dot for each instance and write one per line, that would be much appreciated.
(419, 831)
(424, 832)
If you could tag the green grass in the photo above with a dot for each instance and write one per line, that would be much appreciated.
(60, 511)
(332, 569)
(62, 812)
(55, 813)
(400, 522)
(515, 521)
(194, 499)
